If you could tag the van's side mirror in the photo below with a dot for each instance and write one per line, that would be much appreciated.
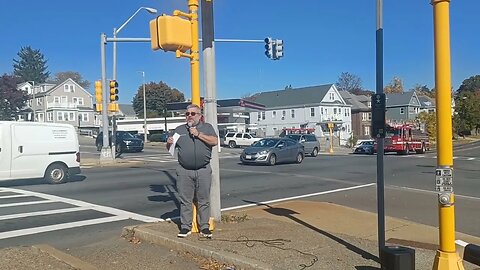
(302, 140)
(280, 145)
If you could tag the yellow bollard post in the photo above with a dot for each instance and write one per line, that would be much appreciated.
(446, 257)
(330, 127)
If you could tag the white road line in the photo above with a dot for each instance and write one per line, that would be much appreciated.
(435, 192)
(24, 203)
(61, 226)
(14, 196)
(43, 213)
(298, 197)
(471, 158)
(105, 209)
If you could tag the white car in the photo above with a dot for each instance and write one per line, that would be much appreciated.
(234, 139)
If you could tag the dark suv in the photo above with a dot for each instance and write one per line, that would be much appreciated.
(125, 142)
(309, 142)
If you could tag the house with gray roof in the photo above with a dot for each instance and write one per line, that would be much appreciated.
(427, 104)
(126, 112)
(305, 107)
(67, 102)
(361, 114)
(402, 107)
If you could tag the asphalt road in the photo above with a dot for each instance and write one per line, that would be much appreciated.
(103, 200)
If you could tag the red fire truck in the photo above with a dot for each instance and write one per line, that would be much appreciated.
(405, 139)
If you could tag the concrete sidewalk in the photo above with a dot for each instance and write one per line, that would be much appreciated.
(300, 235)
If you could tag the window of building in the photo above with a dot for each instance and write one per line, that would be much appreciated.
(71, 116)
(56, 99)
(346, 112)
(312, 112)
(63, 99)
(274, 114)
(39, 101)
(292, 113)
(258, 117)
(263, 115)
(60, 116)
(50, 116)
(369, 116)
(364, 116)
(69, 88)
(84, 117)
(366, 130)
(402, 110)
(340, 111)
(334, 110)
(41, 117)
(332, 96)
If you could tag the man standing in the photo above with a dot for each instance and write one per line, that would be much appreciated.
(194, 173)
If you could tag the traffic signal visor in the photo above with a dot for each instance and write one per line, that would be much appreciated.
(278, 49)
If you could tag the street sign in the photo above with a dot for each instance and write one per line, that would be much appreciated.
(378, 115)
(444, 180)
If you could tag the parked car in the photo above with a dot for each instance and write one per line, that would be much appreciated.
(234, 139)
(125, 142)
(309, 142)
(271, 151)
(365, 147)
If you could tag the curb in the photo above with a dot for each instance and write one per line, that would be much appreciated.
(155, 237)
(66, 258)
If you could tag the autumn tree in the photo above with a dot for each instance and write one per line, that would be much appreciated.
(423, 90)
(157, 96)
(30, 66)
(395, 86)
(60, 77)
(12, 100)
(430, 121)
(471, 84)
(467, 113)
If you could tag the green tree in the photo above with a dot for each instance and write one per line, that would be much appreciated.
(467, 112)
(11, 99)
(60, 77)
(471, 84)
(157, 95)
(423, 90)
(349, 82)
(395, 86)
(30, 66)
(430, 121)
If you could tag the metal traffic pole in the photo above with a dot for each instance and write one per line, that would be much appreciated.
(106, 154)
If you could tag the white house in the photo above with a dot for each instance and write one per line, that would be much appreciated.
(67, 102)
(306, 107)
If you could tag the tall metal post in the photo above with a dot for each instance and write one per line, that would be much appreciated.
(209, 77)
(195, 61)
(106, 154)
(446, 256)
(380, 141)
(114, 77)
(145, 129)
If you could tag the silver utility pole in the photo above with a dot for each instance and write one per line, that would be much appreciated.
(145, 129)
(381, 140)
(210, 100)
(106, 154)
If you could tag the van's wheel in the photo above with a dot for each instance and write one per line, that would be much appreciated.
(56, 174)
(315, 152)
(272, 160)
(232, 144)
(299, 158)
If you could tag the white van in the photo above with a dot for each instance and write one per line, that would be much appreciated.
(38, 150)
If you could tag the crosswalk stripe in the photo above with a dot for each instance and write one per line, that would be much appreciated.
(43, 213)
(14, 196)
(61, 226)
(24, 203)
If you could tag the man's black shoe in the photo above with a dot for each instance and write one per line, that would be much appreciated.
(184, 233)
(206, 233)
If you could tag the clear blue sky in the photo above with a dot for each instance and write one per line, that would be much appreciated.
(321, 40)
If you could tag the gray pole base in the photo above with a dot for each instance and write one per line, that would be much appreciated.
(106, 155)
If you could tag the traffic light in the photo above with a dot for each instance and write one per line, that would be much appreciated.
(113, 106)
(269, 47)
(98, 96)
(277, 49)
(113, 91)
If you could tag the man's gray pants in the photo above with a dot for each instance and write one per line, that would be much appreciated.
(190, 184)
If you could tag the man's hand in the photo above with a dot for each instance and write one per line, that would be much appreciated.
(194, 131)
(170, 140)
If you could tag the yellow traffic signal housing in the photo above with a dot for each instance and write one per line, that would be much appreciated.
(98, 95)
(113, 91)
(171, 33)
(113, 107)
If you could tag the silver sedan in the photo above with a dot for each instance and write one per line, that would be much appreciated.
(271, 151)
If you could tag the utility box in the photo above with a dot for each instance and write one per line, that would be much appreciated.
(171, 33)
(397, 258)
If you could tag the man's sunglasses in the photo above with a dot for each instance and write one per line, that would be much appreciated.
(191, 113)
